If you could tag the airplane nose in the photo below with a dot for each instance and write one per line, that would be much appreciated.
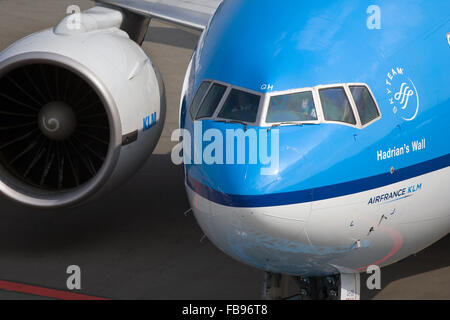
(258, 216)
(272, 238)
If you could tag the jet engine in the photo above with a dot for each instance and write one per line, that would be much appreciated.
(81, 109)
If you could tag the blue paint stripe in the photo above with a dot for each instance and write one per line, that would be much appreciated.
(321, 193)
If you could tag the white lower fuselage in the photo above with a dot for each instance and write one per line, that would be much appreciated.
(375, 227)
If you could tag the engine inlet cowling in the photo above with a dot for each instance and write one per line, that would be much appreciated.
(54, 128)
(71, 115)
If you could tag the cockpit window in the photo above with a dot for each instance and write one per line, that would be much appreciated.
(292, 107)
(367, 108)
(198, 97)
(346, 103)
(211, 101)
(336, 106)
(240, 106)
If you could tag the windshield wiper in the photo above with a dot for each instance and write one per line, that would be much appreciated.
(233, 121)
(292, 123)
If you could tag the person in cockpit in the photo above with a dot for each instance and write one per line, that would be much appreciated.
(292, 107)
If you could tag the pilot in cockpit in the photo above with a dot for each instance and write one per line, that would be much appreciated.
(292, 107)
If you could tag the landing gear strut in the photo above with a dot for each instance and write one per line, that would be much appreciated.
(344, 286)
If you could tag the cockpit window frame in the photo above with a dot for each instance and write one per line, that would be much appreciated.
(258, 114)
(215, 115)
(221, 101)
(264, 103)
(318, 105)
(352, 100)
(201, 100)
(270, 95)
(227, 93)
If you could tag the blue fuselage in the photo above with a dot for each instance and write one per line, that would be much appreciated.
(269, 46)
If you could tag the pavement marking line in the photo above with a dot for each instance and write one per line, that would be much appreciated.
(44, 292)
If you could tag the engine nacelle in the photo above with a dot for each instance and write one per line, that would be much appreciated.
(81, 109)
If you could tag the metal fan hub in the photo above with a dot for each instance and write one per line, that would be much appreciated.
(57, 120)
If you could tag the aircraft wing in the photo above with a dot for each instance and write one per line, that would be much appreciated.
(194, 14)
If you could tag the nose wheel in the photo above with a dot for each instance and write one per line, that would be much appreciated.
(344, 286)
